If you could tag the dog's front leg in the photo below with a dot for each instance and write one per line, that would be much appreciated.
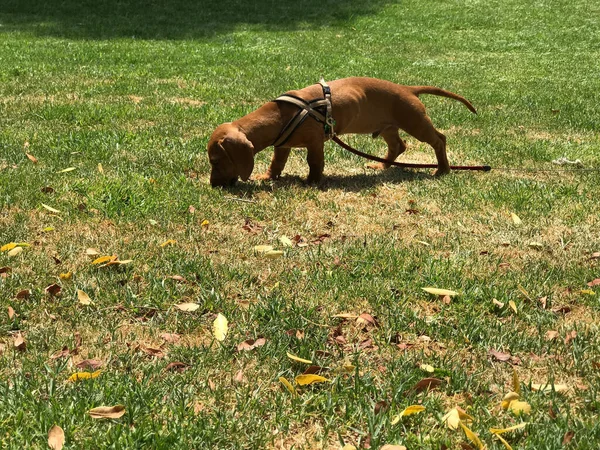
(280, 157)
(316, 162)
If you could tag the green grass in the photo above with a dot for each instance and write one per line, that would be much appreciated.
(138, 87)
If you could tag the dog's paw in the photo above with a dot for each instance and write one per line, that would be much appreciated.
(263, 177)
(441, 171)
(376, 166)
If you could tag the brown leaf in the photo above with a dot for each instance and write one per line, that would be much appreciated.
(19, 343)
(60, 353)
(446, 299)
(595, 255)
(313, 370)
(47, 190)
(570, 336)
(552, 411)
(366, 318)
(595, 282)
(176, 366)
(57, 261)
(56, 438)
(568, 437)
(152, 351)
(11, 313)
(170, 337)
(31, 158)
(319, 240)
(561, 309)
(251, 227)
(251, 344)
(427, 384)
(500, 356)
(53, 290)
(191, 209)
(381, 406)
(24, 294)
(91, 364)
(412, 211)
(177, 278)
(551, 335)
(107, 412)
(405, 345)
(543, 301)
(4, 271)
(366, 344)
(239, 376)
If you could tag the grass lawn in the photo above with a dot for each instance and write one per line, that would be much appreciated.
(126, 95)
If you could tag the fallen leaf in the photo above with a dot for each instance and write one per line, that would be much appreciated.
(500, 356)
(66, 276)
(176, 366)
(515, 382)
(84, 376)
(288, 386)
(31, 158)
(427, 384)
(509, 429)
(345, 316)
(587, 292)
(104, 259)
(568, 437)
(497, 303)
(508, 399)
(51, 209)
(595, 255)
(310, 370)
(56, 438)
(543, 301)
(570, 336)
(205, 223)
(117, 262)
(516, 220)
(11, 313)
(168, 242)
(310, 379)
(239, 376)
(187, 307)
(19, 343)
(439, 292)
(285, 241)
(177, 278)
(501, 439)
(427, 368)
(83, 298)
(380, 406)
(273, 254)
(472, 437)
(62, 353)
(24, 294)
(251, 344)
(47, 189)
(92, 251)
(551, 335)
(366, 318)
(170, 337)
(8, 246)
(392, 447)
(100, 168)
(107, 412)
(408, 411)
(151, 351)
(595, 282)
(15, 251)
(549, 387)
(454, 416)
(68, 169)
(262, 248)
(220, 327)
(513, 306)
(53, 289)
(535, 245)
(91, 364)
(298, 359)
(519, 407)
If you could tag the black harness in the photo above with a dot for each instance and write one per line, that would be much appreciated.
(319, 109)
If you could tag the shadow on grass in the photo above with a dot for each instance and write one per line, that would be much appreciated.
(173, 19)
(349, 183)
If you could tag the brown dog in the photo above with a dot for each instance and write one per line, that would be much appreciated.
(359, 105)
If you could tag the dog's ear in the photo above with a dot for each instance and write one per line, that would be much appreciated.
(240, 151)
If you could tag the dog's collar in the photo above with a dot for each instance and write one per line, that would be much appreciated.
(308, 109)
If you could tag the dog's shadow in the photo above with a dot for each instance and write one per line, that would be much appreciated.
(349, 183)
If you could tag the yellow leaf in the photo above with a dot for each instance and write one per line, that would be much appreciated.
(392, 447)
(310, 379)
(272, 254)
(48, 229)
(15, 251)
(516, 220)
(508, 399)
(23, 244)
(84, 375)
(427, 368)
(100, 168)
(549, 387)
(285, 241)
(262, 248)
(509, 429)
(439, 292)
(8, 246)
(587, 292)
(513, 306)
(68, 169)
(506, 444)
(188, 307)
(220, 327)
(298, 359)
(103, 259)
(472, 437)
(117, 262)
(51, 209)
(169, 242)
(107, 412)
(288, 386)
(518, 407)
(56, 438)
(452, 419)
(205, 223)
(84, 299)
(66, 276)
(410, 410)
(524, 292)
(516, 383)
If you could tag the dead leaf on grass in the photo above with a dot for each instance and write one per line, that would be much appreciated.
(56, 438)
(151, 351)
(15, 252)
(31, 158)
(549, 387)
(107, 412)
(568, 437)
(50, 208)
(251, 344)
(77, 376)
(53, 290)
(171, 337)
(366, 318)
(570, 336)
(83, 298)
(92, 251)
(500, 356)
(19, 343)
(66, 276)
(176, 366)
(239, 376)
(408, 411)
(509, 429)
(103, 259)
(440, 292)
(168, 242)
(187, 307)
(595, 282)
(288, 386)
(472, 437)
(298, 359)
(427, 384)
(392, 447)
(11, 312)
(303, 380)
(91, 364)
(220, 327)
(515, 219)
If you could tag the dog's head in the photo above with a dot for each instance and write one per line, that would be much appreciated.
(231, 155)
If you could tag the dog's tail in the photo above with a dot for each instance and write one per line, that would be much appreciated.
(417, 90)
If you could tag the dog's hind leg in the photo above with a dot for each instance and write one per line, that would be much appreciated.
(424, 131)
(396, 146)
(280, 157)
